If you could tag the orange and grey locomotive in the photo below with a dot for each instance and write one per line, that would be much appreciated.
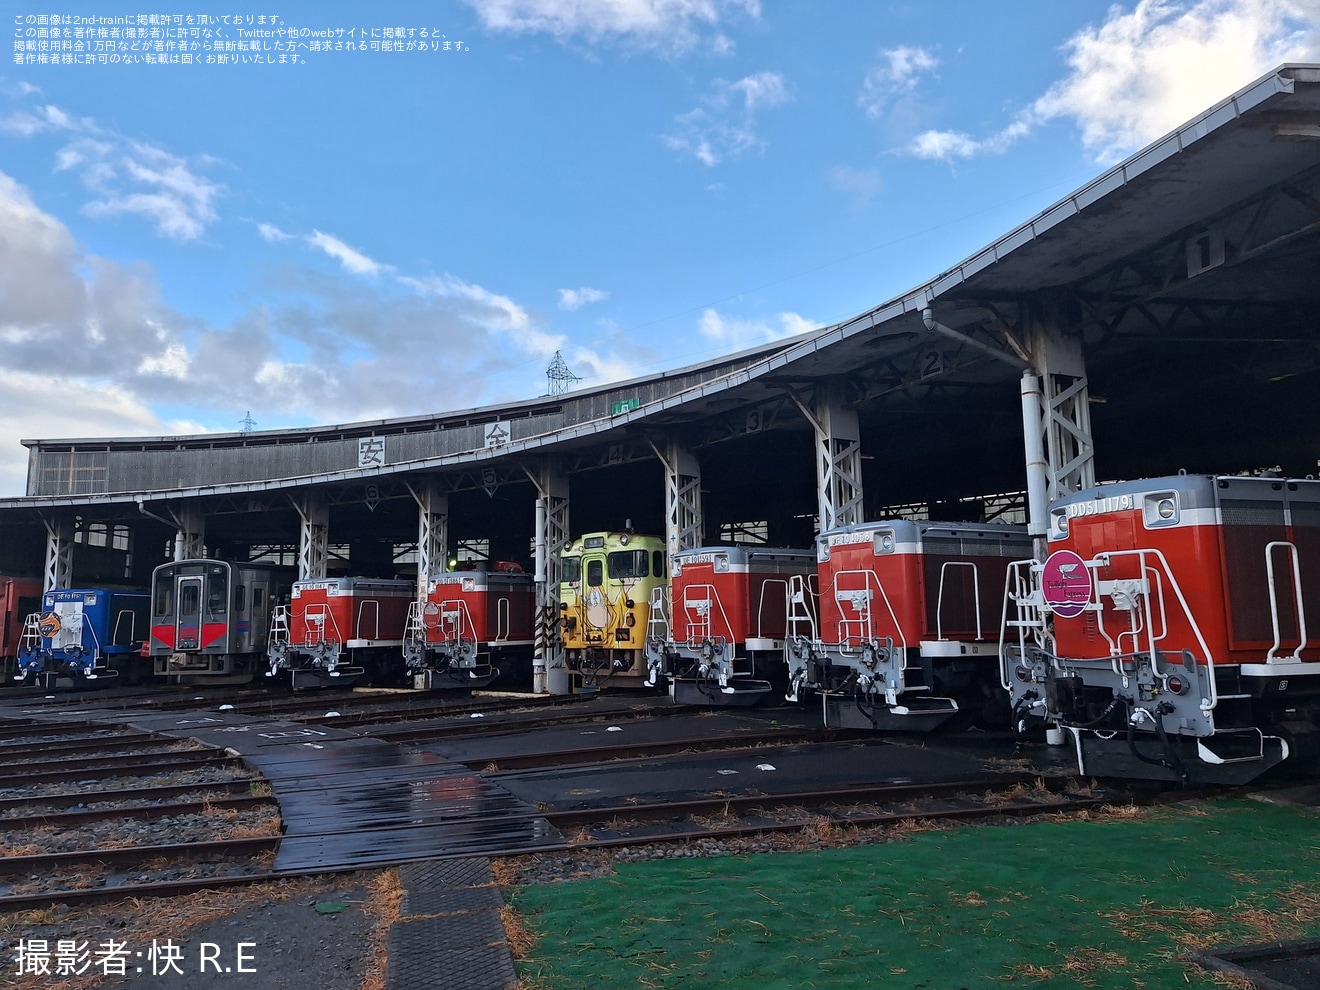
(336, 629)
(472, 627)
(1165, 636)
(721, 640)
(909, 616)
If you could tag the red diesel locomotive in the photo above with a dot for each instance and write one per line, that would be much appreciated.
(909, 621)
(19, 598)
(1166, 636)
(721, 641)
(334, 630)
(472, 627)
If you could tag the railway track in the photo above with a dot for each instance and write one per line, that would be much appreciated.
(631, 825)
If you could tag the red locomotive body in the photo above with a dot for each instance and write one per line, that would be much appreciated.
(19, 598)
(472, 626)
(1178, 613)
(728, 621)
(334, 628)
(909, 613)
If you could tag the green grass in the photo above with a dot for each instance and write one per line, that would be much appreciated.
(1107, 903)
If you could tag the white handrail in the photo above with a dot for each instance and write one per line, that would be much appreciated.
(1274, 598)
(976, 595)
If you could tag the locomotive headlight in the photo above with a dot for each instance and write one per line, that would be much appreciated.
(1021, 672)
(887, 543)
(1176, 684)
(624, 539)
(1160, 509)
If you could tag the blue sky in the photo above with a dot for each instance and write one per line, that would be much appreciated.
(640, 184)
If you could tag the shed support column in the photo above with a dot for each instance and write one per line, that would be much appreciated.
(838, 457)
(549, 674)
(1064, 417)
(684, 525)
(432, 533)
(313, 536)
(190, 534)
(59, 553)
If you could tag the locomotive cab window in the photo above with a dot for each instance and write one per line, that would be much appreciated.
(258, 598)
(571, 570)
(658, 563)
(217, 588)
(595, 573)
(629, 564)
(240, 599)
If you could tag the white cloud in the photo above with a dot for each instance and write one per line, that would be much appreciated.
(1147, 70)
(733, 334)
(85, 408)
(664, 25)
(126, 176)
(137, 178)
(42, 120)
(321, 349)
(575, 299)
(724, 127)
(353, 261)
(271, 234)
(897, 73)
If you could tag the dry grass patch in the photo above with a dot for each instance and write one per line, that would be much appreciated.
(384, 903)
(1029, 971)
(520, 938)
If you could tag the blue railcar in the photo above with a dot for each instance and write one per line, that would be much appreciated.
(85, 635)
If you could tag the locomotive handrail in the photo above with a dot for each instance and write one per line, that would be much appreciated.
(706, 627)
(1147, 618)
(659, 615)
(799, 593)
(939, 599)
(321, 610)
(1274, 598)
(865, 621)
(503, 620)
(1022, 592)
(452, 609)
(761, 605)
(1154, 655)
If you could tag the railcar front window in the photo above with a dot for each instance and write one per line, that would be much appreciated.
(571, 571)
(164, 586)
(629, 564)
(217, 591)
(190, 595)
(595, 573)
(658, 563)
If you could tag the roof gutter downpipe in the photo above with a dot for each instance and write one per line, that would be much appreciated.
(540, 644)
(1033, 440)
(928, 317)
(178, 532)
